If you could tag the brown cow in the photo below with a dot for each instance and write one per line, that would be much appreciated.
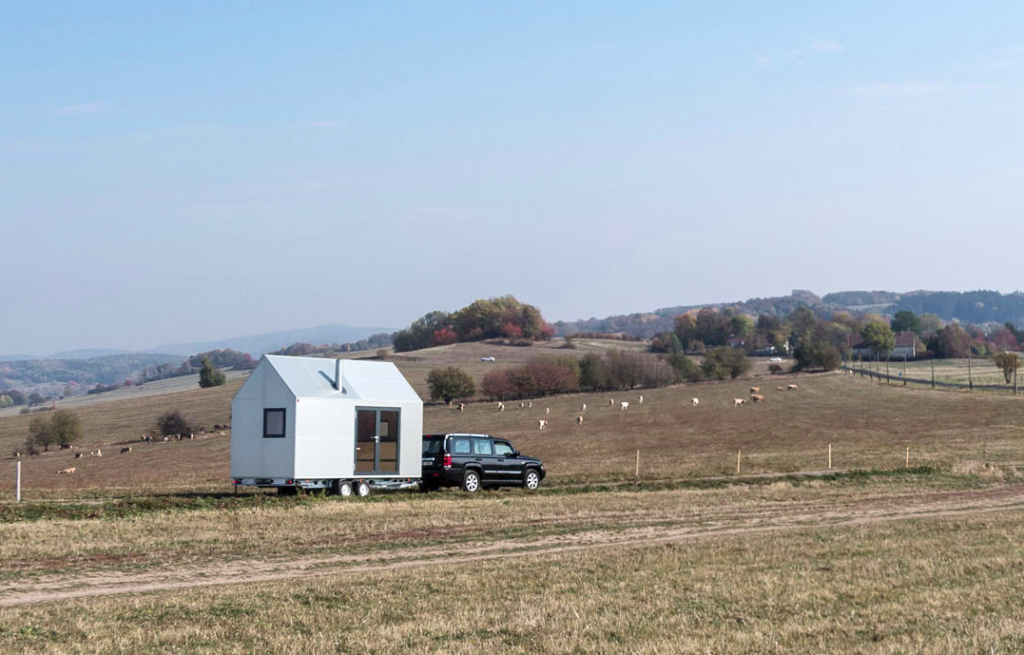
(755, 389)
(792, 387)
(126, 449)
(79, 455)
(579, 420)
(756, 397)
(67, 471)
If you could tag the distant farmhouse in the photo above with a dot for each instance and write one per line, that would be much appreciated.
(906, 343)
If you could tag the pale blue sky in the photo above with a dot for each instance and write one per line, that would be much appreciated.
(259, 166)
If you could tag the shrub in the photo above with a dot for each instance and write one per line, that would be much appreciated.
(498, 385)
(683, 367)
(1009, 363)
(450, 383)
(775, 369)
(209, 376)
(172, 423)
(39, 433)
(725, 363)
(65, 427)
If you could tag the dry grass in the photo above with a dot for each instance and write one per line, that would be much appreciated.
(869, 426)
(930, 586)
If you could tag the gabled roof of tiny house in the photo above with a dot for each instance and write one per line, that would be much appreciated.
(313, 377)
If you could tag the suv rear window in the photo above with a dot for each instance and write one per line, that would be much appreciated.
(432, 446)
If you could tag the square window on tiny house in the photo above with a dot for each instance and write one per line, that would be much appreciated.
(273, 422)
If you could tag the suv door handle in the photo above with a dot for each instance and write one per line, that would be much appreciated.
(479, 459)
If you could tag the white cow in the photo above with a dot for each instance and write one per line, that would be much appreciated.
(695, 402)
(547, 410)
(737, 402)
(584, 407)
(611, 401)
(501, 407)
(579, 420)
(641, 400)
(541, 424)
(623, 405)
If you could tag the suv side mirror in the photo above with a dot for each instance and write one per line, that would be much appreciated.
(514, 453)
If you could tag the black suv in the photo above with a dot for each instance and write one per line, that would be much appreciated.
(472, 461)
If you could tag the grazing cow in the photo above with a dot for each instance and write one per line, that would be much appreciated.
(65, 446)
(792, 387)
(501, 407)
(67, 471)
(126, 449)
(547, 410)
(579, 420)
(611, 401)
(584, 407)
(462, 407)
(694, 402)
(641, 401)
(756, 397)
(530, 404)
(737, 402)
(79, 455)
(191, 436)
(522, 405)
(755, 389)
(541, 424)
(623, 405)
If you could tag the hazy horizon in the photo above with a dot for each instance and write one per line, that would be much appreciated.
(189, 173)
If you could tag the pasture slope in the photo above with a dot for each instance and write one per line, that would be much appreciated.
(152, 554)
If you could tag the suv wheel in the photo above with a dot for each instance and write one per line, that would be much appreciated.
(471, 481)
(531, 480)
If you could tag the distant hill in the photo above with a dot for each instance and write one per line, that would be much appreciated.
(964, 306)
(49, 376)
(258, 344)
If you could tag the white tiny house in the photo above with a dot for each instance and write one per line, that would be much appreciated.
(316, 423)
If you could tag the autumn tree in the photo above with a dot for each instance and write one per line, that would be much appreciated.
(1009, 363)
(65, 427)
(878, 335)
(39, 432)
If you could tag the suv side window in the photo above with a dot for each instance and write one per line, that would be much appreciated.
(460, 446)
(482, 446)
(503, 448)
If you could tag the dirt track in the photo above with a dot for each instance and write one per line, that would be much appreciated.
(57, 587)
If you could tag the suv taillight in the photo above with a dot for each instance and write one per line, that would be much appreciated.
(447, 461)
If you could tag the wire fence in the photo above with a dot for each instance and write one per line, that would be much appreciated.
(900, 379)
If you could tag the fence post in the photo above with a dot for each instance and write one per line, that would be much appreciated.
(970, 377)
(933, 371)
(908, 457)
(904, 369)
(17, 482)
(830, 457)
(738, 454)
(638, 464)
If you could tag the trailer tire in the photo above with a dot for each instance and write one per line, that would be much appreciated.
(471, 481)
(362, 489)
(343, 488)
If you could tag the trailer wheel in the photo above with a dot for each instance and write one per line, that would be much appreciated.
(471, 481)
(343, 488)
(531, 480)
(362, 489)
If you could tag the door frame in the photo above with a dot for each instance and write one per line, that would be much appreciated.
(376, 441)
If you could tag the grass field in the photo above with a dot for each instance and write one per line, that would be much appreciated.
(738, 582)
(869, 426)
(147, 552)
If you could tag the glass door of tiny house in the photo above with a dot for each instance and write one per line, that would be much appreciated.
(377, 440)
